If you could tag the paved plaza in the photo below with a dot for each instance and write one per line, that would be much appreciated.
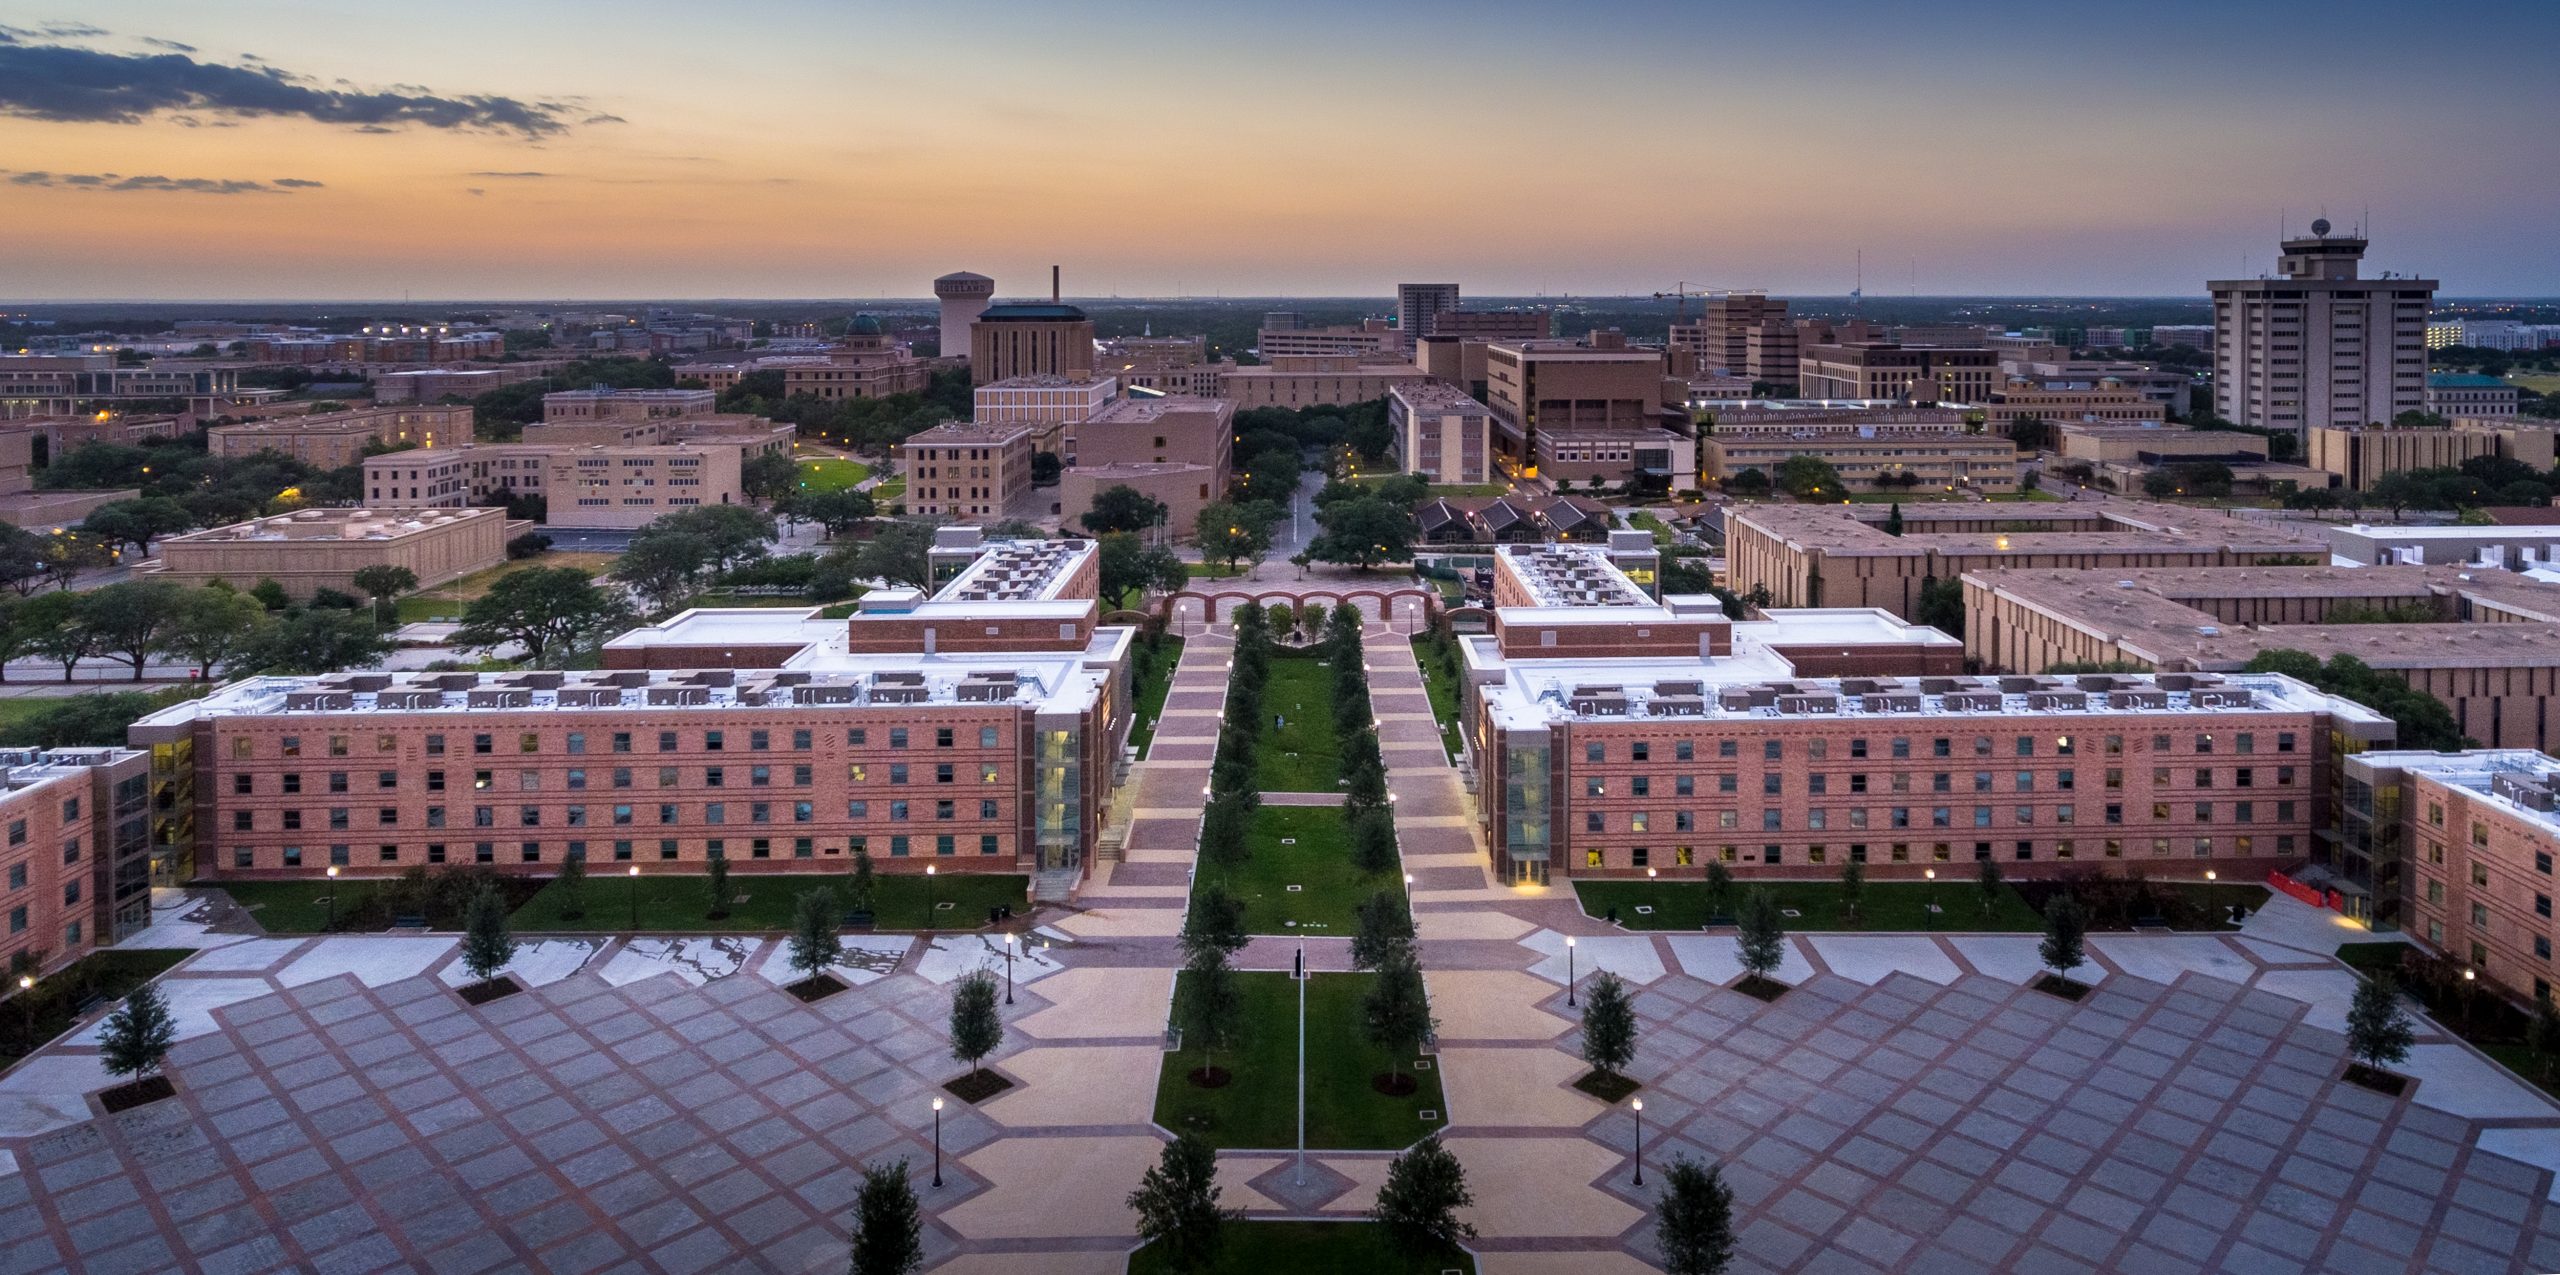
(662, 1105)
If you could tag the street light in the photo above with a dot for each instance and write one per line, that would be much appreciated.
(1568, 969)
(333, 896)
(635, 898)
(1929, 905)
(1639, 1141)
(928, 913)
(27, 1013)
(937, 1142)
(1008, 969)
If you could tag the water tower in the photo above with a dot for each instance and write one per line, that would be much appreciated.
(964, 297)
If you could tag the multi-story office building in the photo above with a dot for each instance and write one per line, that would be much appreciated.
(2108, 400)
(1178, 450)
(1367, 338)
(1839, 555)
(76, 861)
(1617, 736)
(865, 364)
(335, 440)
(1886, 369)
(1044, 401)
(2361, 454)
(974, 730)
(1493, 325)
(1595, 408)
(1030, 339)
(1872, 445)
(436, 384)
(600, 486)
(961, 469)
(1295, 381)
(79, 384)
(2195, 336)
(1742, 334)
(313, 549)
(1417, 305)
(2316, 346)
(600, 404)
(1441, 433)
(2456, 849)
(2463, 394)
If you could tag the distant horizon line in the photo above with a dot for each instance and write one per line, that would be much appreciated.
(2197, 299)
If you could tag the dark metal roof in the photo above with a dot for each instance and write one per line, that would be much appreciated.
(1028, 312)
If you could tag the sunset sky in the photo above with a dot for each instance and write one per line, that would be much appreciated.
(260, 149)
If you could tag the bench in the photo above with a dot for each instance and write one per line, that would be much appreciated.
(89, 1004)
(408, 922)
(858, 920)
(2152, 922)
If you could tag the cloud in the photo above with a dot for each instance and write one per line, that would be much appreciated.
(168, 44)
(156, 182)
(488, 173)
(66, 84)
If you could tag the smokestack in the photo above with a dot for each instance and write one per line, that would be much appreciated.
(1053, 285)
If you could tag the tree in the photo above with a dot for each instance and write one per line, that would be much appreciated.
(532, 544)
(314, 642)
(61, 557)
(1719, 888)
(769, 477)
(2065, 928)
(1045, 469)
(545, 609)
(1363, 533)
(2379, 1032)
(1396, 1014)
(1853, 885)
(1693, 1224)
(569, 889)
(976, 1027)
(1986, 878)
(1748, 482)
(1121, 507)
(136, 1037)
(663, 566)
(1809, 477)
(1216, 920)
(1425, 1188)
(723, 892)
(1385, 930)
(213, 626)
(1761, 941)
(1941, 606)
(1608, 1025)
(1373, 842)
(837, 509)
(2542, 1037)
(21, 559)
(382, 582)
(814, 945)
(131, 620)
(1177, 1204)
(486, 944)
(1211, 1004)
(897, 553)
(888, 1230)
(1231, 533)
(864, 890)
(54, 630)
(731, 535)
(1130, 566)
(137, 522)
(1893, 520)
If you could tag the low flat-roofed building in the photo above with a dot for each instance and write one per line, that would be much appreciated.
(1046, 401)
(335, 440)
(1620, 736)
(602, 404)
(313, 549)
(2495, 548)
(1318, 380)
(2108, 401)
(960, 469)
(973, 730)
(436, 384)
(596, 486)
(1874, 445)
(1174, 448)
(752, 435)
(1887, 369)
(2361, 454)
(1440, 432)
(2102, 443)
(1840, 555)
(1597, 408)
(2469, 394)
(2485, 643)
(2455, 850)
(1368, 337)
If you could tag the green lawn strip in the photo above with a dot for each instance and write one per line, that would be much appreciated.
(14, 714)
(1442, 687)
(1154, 680)
(1888, 906)
(1334, 1248)
(1319, 863)
(831, 475)
(298, 907)
(1258, 1107)
(1211, 571)
(2499, 1037)
(54, 1001)
(1642, 520)
(1300, 756)
(682, 903)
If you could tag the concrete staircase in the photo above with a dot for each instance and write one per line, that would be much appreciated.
(1055, 885)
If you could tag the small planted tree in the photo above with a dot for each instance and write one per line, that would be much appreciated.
(2066, 928)
(1693, 1222)
(1396, 1016)
(976, 1026)
(1177, 1205)
(863, 895)
(1761, 943)
(814, 945)
(1719, 889)
(722, 893)
(1385, 929)
(569, 889)
(135, 1039)
(2379, 1032)
(1212, 1005)
(1608, 1035)
(888, 1229)
(1216, 920)
(1853, 886)
(1425, 1188)
(486, 944)
(1987, 881)
(2542, 1038)
(1373, 842)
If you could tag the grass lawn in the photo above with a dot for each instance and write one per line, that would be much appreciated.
(298, 907)
(14, 714)
(1642, 520)
(1258, 1108)
(1153, 679)
(1210, 571)
(54, 1001)
(682, 904)
(1330, 888)
(888, 490)
(2538, 382)
(1443, 690)
(449, 600)
(831, 474)
(1336, 1248)
(1300, 756)
(1886, 905)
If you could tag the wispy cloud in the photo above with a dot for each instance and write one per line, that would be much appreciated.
(119, 182)
(489, 173)
(65, 83)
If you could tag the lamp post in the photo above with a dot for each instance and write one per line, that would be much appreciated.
(1008, 969)
(1929, 905)
(1639, 1104)
(937, 1142)
(333, 896)
(928, 915)
(1568, 969)
(635, 898)
(26, 1014)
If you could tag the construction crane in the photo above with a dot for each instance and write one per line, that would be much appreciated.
(1679, 296)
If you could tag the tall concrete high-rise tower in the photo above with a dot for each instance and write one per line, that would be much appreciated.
(2318, 345)
(964, 297)
(1417, 304)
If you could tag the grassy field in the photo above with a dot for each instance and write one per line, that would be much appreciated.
(448, 601)
(1642, 520)
(1318, 863)
(298, 907)
(831, 474)
(55, 1001)
(1258, 1108)
(889, 489)
(1210, 571)
(2539, 383)
(682, 904)
(1443, 690)
(1336, 1248)
(1885, 906)
(1302, 755)
(1154, 680)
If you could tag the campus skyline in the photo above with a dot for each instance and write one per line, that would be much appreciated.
(285, 151)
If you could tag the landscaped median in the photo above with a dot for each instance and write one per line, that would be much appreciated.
(1900, 906)
(1257, 1107)
(1297, 876)
(616, 902)
(1299, 749)
(1339, 1248)
(33, 1018)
